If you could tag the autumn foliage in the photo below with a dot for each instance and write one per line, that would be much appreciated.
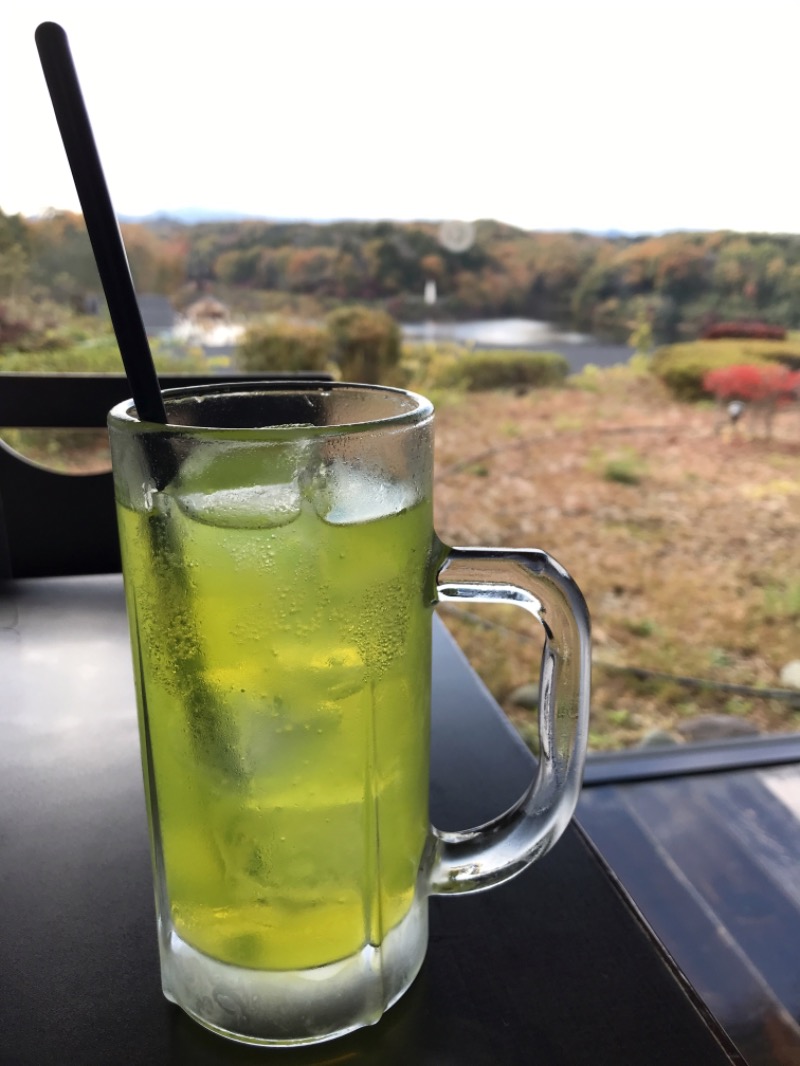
(754, 384)
(731, 285)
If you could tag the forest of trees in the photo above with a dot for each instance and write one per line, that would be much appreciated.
(676, 284)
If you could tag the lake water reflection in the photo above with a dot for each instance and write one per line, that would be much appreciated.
(578, 348)
(485, 333)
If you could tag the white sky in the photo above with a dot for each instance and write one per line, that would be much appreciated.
(639, 116)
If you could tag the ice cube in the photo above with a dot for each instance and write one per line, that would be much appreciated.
(241, 485)
(344, 494)
(246, 507)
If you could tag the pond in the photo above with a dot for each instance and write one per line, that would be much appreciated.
(578, 348)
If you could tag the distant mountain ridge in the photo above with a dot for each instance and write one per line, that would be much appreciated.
(192, 215)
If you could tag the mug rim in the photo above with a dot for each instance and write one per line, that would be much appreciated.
(418, 409)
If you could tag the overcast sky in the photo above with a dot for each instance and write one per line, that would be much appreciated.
(639, 116)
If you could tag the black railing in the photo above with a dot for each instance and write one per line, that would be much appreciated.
(53, 523)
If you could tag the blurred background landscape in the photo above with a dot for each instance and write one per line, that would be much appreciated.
(680, 523)
(576, 230)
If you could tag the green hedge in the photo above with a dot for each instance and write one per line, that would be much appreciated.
(96, 357)
(362, 342)
(485, 370)
(280, 344)
(366, 344)
(682, 367)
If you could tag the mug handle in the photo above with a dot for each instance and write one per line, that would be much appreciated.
(474, 859)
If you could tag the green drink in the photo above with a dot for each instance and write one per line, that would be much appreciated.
(286, 671)
(280, 570)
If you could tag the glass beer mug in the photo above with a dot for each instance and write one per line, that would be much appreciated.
(281, 572)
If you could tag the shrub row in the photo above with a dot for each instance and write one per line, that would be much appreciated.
(490, 369)
(283, 345)
(683, 367)
(100, 356)
(363, 343)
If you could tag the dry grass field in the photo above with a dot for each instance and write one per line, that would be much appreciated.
(683, 534)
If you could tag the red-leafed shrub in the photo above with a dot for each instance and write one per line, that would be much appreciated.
(754, 384)
(756, 331)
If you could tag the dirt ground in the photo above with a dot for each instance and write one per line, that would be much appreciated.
(683, 532)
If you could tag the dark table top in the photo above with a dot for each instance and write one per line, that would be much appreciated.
(554, 968)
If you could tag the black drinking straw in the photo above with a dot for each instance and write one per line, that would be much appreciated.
(212, 744)
(101, 222)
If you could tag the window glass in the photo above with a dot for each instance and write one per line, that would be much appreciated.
(574, 226)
